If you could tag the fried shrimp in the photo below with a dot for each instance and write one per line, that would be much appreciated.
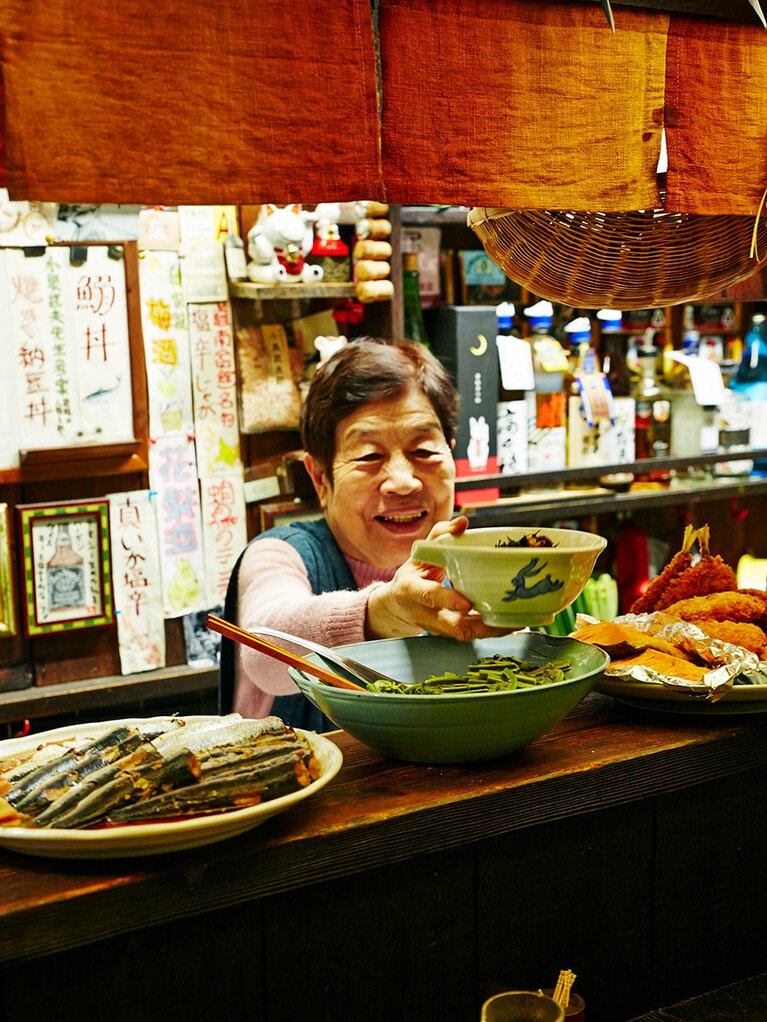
(681, 560)
(727, 606)
(709, 574)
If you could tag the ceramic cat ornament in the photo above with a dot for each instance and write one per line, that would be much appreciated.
(278, 244)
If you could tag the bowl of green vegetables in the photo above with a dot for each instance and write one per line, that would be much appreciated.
(459, 702)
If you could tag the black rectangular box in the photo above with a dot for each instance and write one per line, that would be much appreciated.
(463, 338)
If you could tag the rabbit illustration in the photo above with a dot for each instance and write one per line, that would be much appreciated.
(544, 585)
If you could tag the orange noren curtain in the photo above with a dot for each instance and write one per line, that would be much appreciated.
(508, 103)
(716, 116)
(227, 101)
(483, 102)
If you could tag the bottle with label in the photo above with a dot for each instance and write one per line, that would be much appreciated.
(652, 421)
(547, 405)
(614, 350)
(591, 435)
(614, 347)
(65, 574)
(414, 326)
(516, 376)
(750, 382)
(582, 356)
(751, 377)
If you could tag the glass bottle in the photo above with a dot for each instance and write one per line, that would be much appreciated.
(65, 574)
(614, 347)
(414, 326)
(547, 405)
(750, 382)
(653, 409)
(583, 357)
(515, 364)
(751, 376)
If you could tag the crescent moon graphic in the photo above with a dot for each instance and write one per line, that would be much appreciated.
(480, 348)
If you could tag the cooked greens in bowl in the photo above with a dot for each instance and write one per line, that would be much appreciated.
(462, 726)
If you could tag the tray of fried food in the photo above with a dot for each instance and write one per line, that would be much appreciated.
(693, 633)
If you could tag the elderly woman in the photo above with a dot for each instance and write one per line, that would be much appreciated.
(378, 427)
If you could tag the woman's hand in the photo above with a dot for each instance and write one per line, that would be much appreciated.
(417, 600)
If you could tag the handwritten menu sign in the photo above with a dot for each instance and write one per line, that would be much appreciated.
(173, 477)
(69, 360)
(166, 344)
(225, 529)
(137, 581)
(214, 389)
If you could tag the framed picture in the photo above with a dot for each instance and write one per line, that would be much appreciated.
(7, 609)
(66, 566)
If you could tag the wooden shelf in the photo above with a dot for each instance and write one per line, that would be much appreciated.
(534, 508)
(595, 471)
(77, 460)
(434, 216)
(271, 292)
(105, 693)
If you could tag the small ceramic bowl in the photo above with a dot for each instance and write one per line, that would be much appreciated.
(457, 727)
(515, 586)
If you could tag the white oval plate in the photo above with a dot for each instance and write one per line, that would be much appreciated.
(153, 838)
(649, 695)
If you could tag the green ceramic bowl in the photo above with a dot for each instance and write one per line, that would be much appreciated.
(515, 587)
(455, 728)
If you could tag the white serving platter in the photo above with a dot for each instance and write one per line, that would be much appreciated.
(138, 839)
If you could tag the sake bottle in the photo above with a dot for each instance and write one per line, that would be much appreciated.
(614, 346)
(515, 378)
(414, 326)
(750, 382)
(547, 405)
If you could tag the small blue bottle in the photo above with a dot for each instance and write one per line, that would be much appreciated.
(751, 378)
(750, 381)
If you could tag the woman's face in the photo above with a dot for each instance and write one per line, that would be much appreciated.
(393, 478)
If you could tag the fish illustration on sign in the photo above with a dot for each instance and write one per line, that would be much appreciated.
(522, 591)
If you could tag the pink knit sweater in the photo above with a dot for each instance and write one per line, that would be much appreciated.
(274, 590)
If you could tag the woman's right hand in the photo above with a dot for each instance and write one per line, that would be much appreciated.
(416, 600)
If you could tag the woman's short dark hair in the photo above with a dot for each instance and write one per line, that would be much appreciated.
(372, 369)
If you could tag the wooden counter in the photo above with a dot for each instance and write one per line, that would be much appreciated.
(626, 846)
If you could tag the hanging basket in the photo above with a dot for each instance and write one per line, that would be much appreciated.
(632, 260)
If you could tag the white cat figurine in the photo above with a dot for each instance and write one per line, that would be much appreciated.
(278, 244)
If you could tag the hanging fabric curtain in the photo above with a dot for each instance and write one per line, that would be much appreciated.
(508, 103)
(716, 116)
(235, 101)
(482, 103)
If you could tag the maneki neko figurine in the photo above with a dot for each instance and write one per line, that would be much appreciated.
(278, 244)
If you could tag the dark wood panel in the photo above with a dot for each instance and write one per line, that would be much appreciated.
(711, 886)
(555, 897)
(745, 1000)
(181, 970)
(390, 943)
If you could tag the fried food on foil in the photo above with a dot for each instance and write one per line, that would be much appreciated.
(739, 633)
(666, 664)
(732, 605)
(681, 579)
(623, 641)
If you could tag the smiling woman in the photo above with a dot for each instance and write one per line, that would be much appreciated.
(378, 427)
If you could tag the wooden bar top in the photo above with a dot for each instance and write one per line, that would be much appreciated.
(377, 811)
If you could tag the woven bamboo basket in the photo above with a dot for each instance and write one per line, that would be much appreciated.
(631, 260)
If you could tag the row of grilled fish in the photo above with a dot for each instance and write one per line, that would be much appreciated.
(154, 770)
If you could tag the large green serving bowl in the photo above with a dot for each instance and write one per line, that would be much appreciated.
(455, 728)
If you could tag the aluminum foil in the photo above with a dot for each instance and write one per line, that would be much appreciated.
(729, 665)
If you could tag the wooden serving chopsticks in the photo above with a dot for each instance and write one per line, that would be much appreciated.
(218, 624)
